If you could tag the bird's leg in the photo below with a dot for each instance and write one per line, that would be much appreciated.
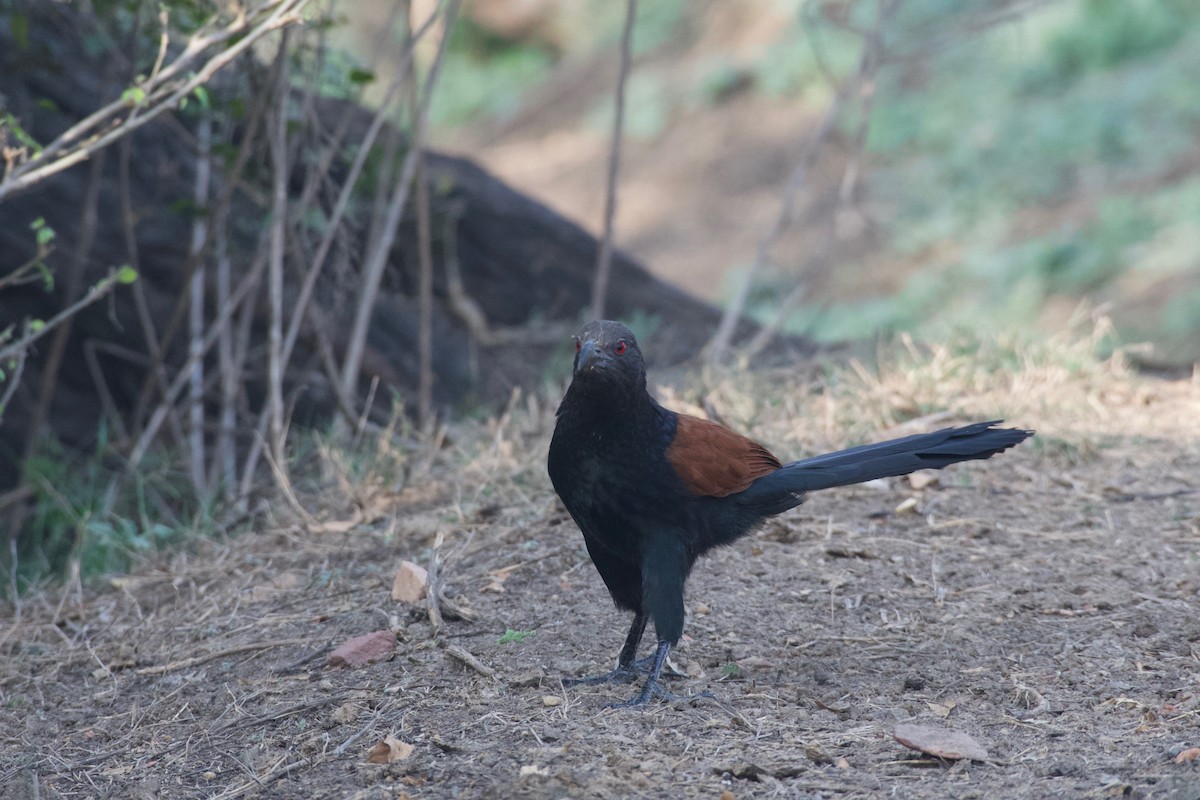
(632, 640)
(652, 688)
(627, 668)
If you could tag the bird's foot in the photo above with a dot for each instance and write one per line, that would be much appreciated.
(653, 689)
(622, 674)
(645, 665)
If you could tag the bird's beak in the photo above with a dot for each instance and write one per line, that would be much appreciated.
(589, 357)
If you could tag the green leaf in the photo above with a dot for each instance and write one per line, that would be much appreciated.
(36, 325)
(133, 96)
(361, 76)
(126, 274)
(47, 276)
(511, 636)
(201, 95)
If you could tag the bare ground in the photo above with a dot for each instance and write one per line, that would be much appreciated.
(1044, 603)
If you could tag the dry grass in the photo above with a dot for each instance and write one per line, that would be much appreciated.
(1044, 601)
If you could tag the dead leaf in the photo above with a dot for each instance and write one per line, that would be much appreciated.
(533, 770)
(365, 649)
(940, 742)
(908, 506)
(942, 709)
(727, 795)
(1191, 754)
(389, 750)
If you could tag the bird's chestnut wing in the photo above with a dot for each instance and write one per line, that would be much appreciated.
(713, 461)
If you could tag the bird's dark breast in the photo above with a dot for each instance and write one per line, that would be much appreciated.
(612, 478)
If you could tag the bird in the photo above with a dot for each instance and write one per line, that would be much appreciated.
(652, 489)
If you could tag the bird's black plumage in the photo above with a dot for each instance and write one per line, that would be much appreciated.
(653, 490)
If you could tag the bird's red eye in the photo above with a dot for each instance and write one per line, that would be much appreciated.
(578, 345)
(620, 347)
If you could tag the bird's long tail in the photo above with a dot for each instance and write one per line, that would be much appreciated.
(784, 488)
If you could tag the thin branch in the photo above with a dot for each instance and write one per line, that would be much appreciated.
(159, 99)
(96, 292)
(279, 211)
(13, 379)
(719, 344)
(156, 419)
(604, 256)
(381, 248)
(424, 301)
(869, 63)
(347, 193)
(200, 224)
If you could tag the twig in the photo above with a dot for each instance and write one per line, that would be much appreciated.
(159, 98)
(297, 708)
(13, 377)
(719, 344)
(361, 732)
(261, 780)
(868, 68)
(89, 219)
(424, 302)
(96, 292)
(471, 661)
(436, 579)
(196, 457)
(381, 248)
(279, 209)
(161, 669)
(604, 256)
(347, 192)
(156, 419)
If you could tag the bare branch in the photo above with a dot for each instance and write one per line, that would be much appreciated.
(279, 211)
(200, 224)
(604, 256)
(872, 58)
(381, 248)
(719, 344)
(95, 293)
(62, 154)
(424, 301)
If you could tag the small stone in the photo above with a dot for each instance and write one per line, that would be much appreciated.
(922, 479)
(909, 506)
(411, 583)
(552, 700)
(362, 650)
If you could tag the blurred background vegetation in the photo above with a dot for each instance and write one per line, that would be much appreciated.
(1004, 165)
(1021, 158)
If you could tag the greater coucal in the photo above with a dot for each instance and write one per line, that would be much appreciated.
(653, 490)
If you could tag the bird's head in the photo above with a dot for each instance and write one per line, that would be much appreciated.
(607, 354)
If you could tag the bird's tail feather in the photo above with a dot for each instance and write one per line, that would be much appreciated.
(784, 488)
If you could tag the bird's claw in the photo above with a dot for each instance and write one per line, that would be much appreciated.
(621, 674)
(624, 673)
(653, 689)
